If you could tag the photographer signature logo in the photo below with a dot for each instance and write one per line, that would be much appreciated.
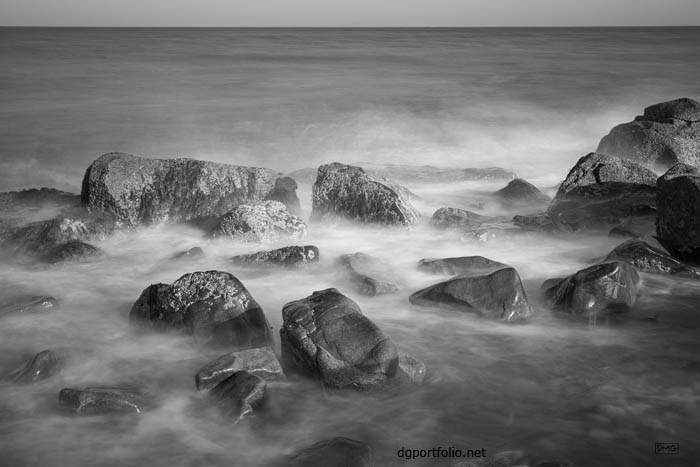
(667, 448)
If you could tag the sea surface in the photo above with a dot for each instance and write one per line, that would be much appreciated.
(529, 100)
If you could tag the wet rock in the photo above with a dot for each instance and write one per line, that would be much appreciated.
(606, 287)
(72, 251)
(678, 198)
(496, 294)
(240, 395)
(138, 190)
(520, 192)
(335, 452)
(26, 304)
(413, 368)
(261, 222)
(668, 133)
(33, 198)
(104, 399)
(349, 192)
(214, 306)
(369, 275)
(292, 256)
(192, 253)
(285, 191)
(453, 217)
(460, 265)
(602, 190)
(261, 362)
(635, 227)
(647, 258)
(486, 234)
(40, 367)
(326, 336)
(539, 222)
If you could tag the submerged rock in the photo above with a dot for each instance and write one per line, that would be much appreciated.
(104, 399)
(668, 133)
(453, 217)
(71, 251)
(539, 222)
(240, 395)
(413, 368)
(647, 258)
(287, 256)
(520, 192)
(348, 192)
(460, 265)
(606, 287)
(486, 234)
(635, 227)
(261, 362)
(335, 452)
(678, 198)
(431, 174)
(326, 336)
(369, 275)
(29, 304)
(36, 199)
(261, 222)
(40, 367)
(192, 253)
(214, 306)
(285, 191)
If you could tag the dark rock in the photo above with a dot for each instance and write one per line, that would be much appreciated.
(40, 367)
(29, 304)
(37, 198)
(260, 222)
(635, 227)
(285, 191)
(678, 198)
(668, 133)
(539, 222)
(602, 190)
(647, 258)
(192, 253)
(369, 275)
(461, 265)
(73, 250)
(496, 294)
(261, 362)
(413, 368)
(240, 395)
(138, 190)
(348, 192)
(326, 335)
(335, 452)
(520, 192)
(99, 400)
(605, 287)
(453, 217)
(212, 305)
(292, 256)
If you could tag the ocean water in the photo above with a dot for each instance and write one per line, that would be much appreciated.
(530, 100)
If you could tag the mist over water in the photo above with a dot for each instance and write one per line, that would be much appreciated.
(530, 100)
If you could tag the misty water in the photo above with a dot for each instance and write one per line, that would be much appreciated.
(529, 100)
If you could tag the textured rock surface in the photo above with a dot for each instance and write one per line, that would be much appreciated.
(240, 395)
(668, 133)
(40, 367)
(260, 222)
(602, 190)
(335, 452)
(99, 400)
(460, 265)
(73, 250)
(369, 275)
(520, 192)
(285, 191)
(413, 368)
(538, 222)
(28, 304)
(646, 257)
(326, 335)
(292, 256)
(453, 217)
(348, 192)
(261, 362)
(212, 305)
(678, 211)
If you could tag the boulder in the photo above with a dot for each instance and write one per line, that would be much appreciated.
(137, 190)
(453, 217)
(240, 395)
(292, 256)
(348, 192)
(103, 399)
(667, 134)
(25, 304)
(602, 190)
(192, 253)
(260, 222)
(326, 336)
(40, 367)
(335, 452)
(460, 265)
(71, 251)
(635, 227)
(495, 293)
(648, 258)
(678, 204)
(369, 275)
(519, 193)
(214, 306)
(538, 222)
(413, 368)
(285, 191)
(261, 362)
(602, 288)
(12, 201)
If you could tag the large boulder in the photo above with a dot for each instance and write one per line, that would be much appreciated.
(461, 218)
(285, 191)
(214, 306)
(139, 190)
(335, 452)
(105, 399)
(349, 192)
(668, 133)
(290, 256)
(266, 221)
(261, 362)
(520, 193)
(606, 287)
(460, 265)
(369, 275)
(678, 207)
(240, 395)
(40, 367)
(646, 257)
(326, 336)
(601, 190)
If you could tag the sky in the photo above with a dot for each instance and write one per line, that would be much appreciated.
(329, 13)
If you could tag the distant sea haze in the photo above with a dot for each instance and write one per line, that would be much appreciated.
(533, 100)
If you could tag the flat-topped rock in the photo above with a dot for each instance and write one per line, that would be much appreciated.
(105, 399)
(261, 361)
(460, 265)
(458, 218)
(240, 395)
(266, 221)
(290, 256)
(369, 275)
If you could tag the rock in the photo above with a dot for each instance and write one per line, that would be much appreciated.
(668, 133)
(520, 192)
(509, 458)
(192, 253)
(431, 174)
(647, 258)
(486, 234)
(335, 452)
(488, 173)
(460, 265)
(348, 192)
(26, 304)
(539, 222)
(602, 190)
(71, 251)
(678, 200)
(261, 222)
(293, 256)
(212, 305)
(326, 335)
(453, 217)
(40, 367)
(413, 368)
(240, 395)
(33, 198)
(496, 294)
(285, 191)
(606, 287)
(635, 227)
(261, 362)
(99, 400)
(138, 190)
(306, 175)
(369, 275)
